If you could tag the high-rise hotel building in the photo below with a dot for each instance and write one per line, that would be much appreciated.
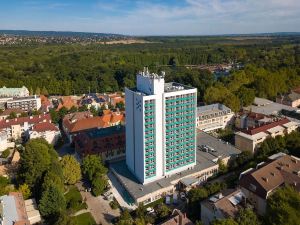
(160, 127)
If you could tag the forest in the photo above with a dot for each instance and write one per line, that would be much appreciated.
(271, 66)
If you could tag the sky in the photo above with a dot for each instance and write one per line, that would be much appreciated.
(152, 17)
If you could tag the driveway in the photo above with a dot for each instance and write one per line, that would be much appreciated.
(99, 207)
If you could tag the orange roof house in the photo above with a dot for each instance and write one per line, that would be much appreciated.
(67, 102)
(75, 123)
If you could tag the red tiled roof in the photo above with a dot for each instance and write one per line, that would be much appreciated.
(67, 102)
(44, 100)
(266, 127)
(86, 124)
(22, 120)
(272, 175)
(45, 126)
(257, 116)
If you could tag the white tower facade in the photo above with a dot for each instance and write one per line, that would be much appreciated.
(160, 127)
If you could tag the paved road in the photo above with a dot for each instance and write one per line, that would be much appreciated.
(99, 208)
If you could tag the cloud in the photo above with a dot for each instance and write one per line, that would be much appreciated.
(185, 17)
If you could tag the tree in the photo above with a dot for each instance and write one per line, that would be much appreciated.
(125, 218)
(37, 91)
(62, 112)
(229, 221)
(222, 167)
(25, 190)
(52, 202)
(120, 105)
(73, 109)
(52, 179)
(35, 160)
(12, 115)
(5, 186)
(44, 91)
(71, 169)
(99, 183)
(65, 219)
(163, 211)
(54, 116)
(247, 217)
(91, 165)
(283, 207)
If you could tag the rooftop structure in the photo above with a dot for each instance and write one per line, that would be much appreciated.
(14, 92)
(213, 117)
(215, 149)
(258, 184)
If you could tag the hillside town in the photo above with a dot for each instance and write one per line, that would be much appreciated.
(157, 152)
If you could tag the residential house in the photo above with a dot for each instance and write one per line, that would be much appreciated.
(19, 127)
(214, 117)
(291, 99)
(250, 139)
(251, 119)
(260, 183)
(7, 112)
(177, 218)
(92, 100)
(14, 92)
(68, 102)
(114, 98)
(29, 103)
(108, 142)
(222, 206)
(45, 130)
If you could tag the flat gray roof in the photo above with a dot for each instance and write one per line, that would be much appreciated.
(137, 190)
(204, 160)
(268, 107)
(222, 149)
(208, 109)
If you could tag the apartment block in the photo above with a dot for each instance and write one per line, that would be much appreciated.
(25, 103)
(160, 127)
(214, 117)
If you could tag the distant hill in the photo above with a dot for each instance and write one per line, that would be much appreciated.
(59, 34)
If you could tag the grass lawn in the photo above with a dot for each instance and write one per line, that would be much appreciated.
(74, 200)
(85, 219)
